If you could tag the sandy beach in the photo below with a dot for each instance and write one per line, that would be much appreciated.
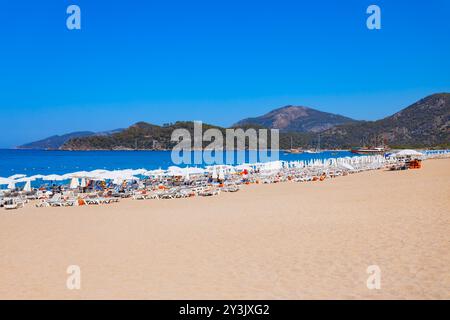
(281, 241)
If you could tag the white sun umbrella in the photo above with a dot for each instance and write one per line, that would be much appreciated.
(5, 181)
(195, 170)
(154, 173)
(17, 176)
(98, 173)
(12, 185)
(408, 153)
(175, 171)
(27, 187)
(244, 166)
(132, 172)
(78, 174)
(186, 176)
(139, 171)
(74, 183)
(214, 173)
(221, 175)
(26, 179)
(53, 177)
(83, 182)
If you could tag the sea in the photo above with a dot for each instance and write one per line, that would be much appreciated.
(32, 162)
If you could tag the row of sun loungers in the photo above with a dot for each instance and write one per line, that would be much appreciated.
(202, 185)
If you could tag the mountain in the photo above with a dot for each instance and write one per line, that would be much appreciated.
(56, 141)
(140, 136)
(422, 124)
(297, 119)
(425, 123)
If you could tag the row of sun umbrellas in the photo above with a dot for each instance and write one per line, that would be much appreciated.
(79, 179)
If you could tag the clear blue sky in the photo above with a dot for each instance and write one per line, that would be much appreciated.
(216, 61)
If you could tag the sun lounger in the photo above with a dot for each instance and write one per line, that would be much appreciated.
(13, 203)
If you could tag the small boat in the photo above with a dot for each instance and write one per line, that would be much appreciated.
(293, 150)
(317, 150)
(312, 151)
(369, 150)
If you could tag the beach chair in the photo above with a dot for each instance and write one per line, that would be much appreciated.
(13, 203)
(139, 195)
(56, 201)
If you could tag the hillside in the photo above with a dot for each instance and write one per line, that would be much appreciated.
(298, 119)
(57, 141)
(424, 123)
(140, 136)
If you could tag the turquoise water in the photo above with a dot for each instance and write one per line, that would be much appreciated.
(31, 162)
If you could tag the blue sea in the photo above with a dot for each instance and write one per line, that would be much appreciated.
(32, 162)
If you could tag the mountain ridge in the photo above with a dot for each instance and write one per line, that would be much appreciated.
(57, 141)
(297, 118)
(425, 123)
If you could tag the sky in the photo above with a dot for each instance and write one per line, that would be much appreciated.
(215, 61)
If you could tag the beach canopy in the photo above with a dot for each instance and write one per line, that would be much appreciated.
(27, 187)
(195, 170)
(5, 181)
(17, 176)
(221, 175)
(74, 183)
(154, 173)
(12, 185)
(26, 179)
(408, 153)
(175, 171)
(53, 177)
(79, 174)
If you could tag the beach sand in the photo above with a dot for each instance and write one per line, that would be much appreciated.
(283, 241)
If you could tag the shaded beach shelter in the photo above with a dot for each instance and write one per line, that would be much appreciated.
(78, 174)
(53, 177)
(11, 185)
(195, 170)
(154, 173)
(74, 183)
(83, 182)
(221, 174)
(175, 171)
(97, 172)
(214, 173)
(138, 172)
(5, 181)
(243, 167)
(17, 176)
(27, 187)
(408, 153)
